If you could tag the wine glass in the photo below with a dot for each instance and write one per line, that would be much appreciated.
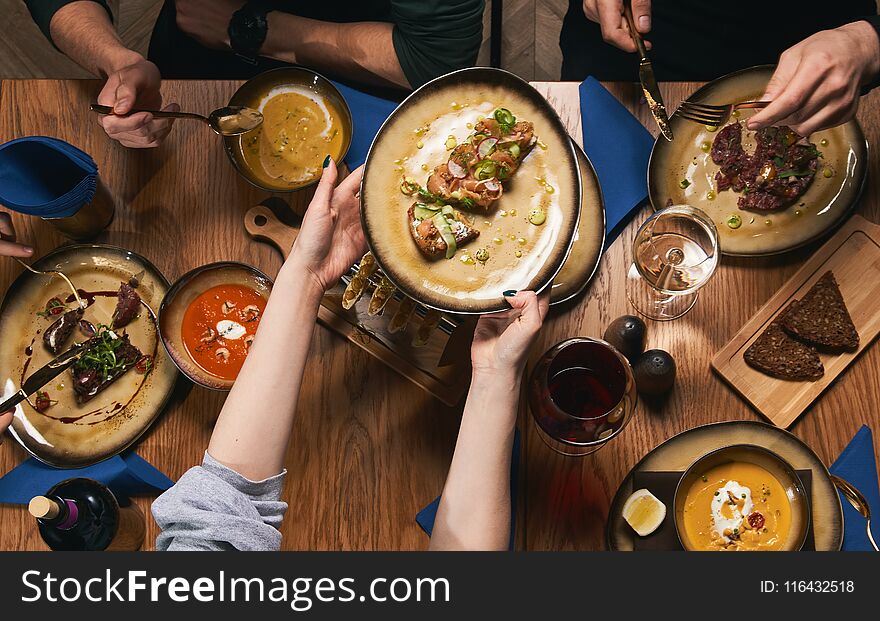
(675, 252)
(581, 394)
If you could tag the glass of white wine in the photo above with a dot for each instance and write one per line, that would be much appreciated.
(675, 252)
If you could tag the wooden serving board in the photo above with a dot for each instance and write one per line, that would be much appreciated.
(853, 254)
(441, 366)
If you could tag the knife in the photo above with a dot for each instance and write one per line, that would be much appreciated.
(46, 374)
(646, 77)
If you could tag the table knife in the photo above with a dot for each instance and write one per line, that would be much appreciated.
(45, 374)
(646, 77)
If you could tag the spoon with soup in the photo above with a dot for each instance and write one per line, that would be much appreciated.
(226, 121)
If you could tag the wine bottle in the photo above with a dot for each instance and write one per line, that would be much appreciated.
(83, 514)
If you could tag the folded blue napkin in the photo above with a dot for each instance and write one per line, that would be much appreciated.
(46, 177)
(425, 518)
(126, 475)
(619, 147)
(856, 464)
(367, 115)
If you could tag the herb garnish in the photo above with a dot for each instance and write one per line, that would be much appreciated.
(101, 355)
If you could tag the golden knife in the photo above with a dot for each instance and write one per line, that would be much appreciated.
(646, 76)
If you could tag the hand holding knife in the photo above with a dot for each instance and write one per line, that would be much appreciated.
(646, 76)
(46, 374)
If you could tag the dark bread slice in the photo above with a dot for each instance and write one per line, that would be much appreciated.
(822, 319)
(776, 354)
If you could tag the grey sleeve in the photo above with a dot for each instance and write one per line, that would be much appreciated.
(212, 507)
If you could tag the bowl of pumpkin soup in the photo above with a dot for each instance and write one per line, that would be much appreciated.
(208, 320)
(741, 498)
(305, 119)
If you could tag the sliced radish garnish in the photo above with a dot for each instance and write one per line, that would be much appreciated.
(485, 148)
(490, 184)
(456, 170)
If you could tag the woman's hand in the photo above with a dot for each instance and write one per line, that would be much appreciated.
(8, 246)
(331, 240)
(609, 15)
(817, 82)
(5, 421)
(135, 85)
(502, 340)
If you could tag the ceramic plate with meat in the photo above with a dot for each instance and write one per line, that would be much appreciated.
(471, 188)
(115, 391)
(767, 191)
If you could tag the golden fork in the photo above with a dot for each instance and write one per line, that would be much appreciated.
(712, 115)
(55, 274)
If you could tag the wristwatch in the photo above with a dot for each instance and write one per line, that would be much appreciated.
(248, 28)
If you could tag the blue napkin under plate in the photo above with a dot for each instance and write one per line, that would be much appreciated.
(619, 147)
(44, 176)
(425, 518)
(856, 464)
(367, 115)
(126, 475)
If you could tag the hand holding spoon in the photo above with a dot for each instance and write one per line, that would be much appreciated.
(226, 121)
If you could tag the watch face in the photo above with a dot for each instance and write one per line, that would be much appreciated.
(247, 31)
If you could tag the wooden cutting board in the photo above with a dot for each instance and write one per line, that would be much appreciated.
(853, 254)
(441, 366)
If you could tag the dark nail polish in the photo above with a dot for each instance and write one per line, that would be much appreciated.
(509, 293)
(326, 161)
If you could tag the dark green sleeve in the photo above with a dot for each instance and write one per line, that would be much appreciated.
(43, 10)
(433, 37)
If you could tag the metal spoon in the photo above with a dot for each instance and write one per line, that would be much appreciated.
(859, 503)
(226, 121)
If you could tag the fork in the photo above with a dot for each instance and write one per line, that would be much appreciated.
(712, 115)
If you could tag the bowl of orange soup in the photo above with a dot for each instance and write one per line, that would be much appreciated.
(741, 498)
(305, 119)
(209, 318)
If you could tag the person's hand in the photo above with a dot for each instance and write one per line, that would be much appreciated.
(502, 340)
(8, 246)
(817, 82)
(331, 240)
(135, 85)
(609, 15)
(207, 21)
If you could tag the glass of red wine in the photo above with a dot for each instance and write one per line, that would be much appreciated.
(582, 394)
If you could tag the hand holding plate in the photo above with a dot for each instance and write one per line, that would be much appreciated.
(502, 340)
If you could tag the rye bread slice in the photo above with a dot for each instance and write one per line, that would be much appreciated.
(822, 319)
(777, 354)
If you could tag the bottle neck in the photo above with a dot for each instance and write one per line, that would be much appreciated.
(66, 516)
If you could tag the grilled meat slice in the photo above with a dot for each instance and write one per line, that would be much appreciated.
(128, 305)
(56, 335)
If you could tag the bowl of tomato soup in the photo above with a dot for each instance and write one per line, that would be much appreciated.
(209, 319)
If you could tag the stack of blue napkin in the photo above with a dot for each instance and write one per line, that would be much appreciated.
(856, 464)
(126, 475)
(45, 177)
(617, 144)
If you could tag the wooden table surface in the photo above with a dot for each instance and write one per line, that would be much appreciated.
(370, 449)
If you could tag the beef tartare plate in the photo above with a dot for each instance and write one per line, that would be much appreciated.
(774, 176)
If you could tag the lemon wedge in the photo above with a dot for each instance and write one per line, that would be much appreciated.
(644, 512)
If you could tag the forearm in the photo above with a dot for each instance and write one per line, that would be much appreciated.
(363, 51)
(253, 430)
(84, 32)
(474, 512)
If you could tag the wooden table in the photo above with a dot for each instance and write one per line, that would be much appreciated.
(370, 449)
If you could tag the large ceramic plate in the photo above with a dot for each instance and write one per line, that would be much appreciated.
(589, 239)
(448, 104)
(679, 452)
(68, 434)
(818, 211)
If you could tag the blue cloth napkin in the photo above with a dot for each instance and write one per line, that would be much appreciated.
(367, 115)
(619, 147)
(46, 177)
(856, 464)
(126, 475)
(426, 516)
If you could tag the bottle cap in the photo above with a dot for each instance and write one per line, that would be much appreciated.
(43, 508)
